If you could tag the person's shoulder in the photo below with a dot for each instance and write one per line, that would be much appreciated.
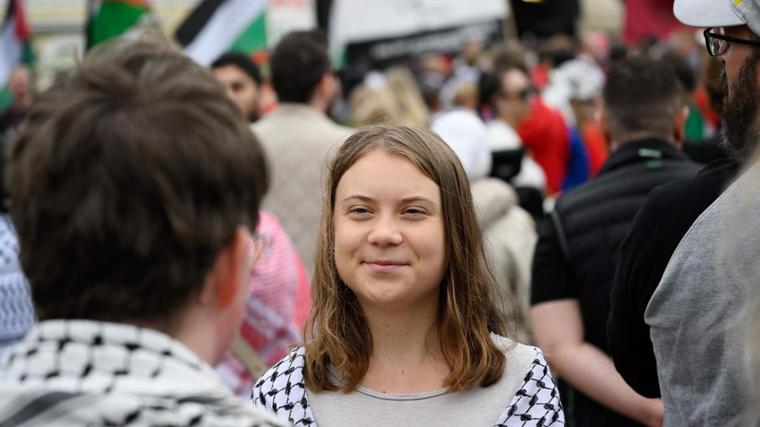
(282, 390)
(290, 366)
(713, 177)
(692, 195)
(519, 355)
(536, 401)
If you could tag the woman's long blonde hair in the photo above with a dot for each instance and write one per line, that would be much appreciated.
(336, 330)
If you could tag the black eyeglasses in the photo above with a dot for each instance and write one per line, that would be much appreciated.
(717, 43)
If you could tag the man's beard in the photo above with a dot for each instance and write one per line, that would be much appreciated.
(740, 108)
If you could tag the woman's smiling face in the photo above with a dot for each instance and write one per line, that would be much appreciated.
(389, 232)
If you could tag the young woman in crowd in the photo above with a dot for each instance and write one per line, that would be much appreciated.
(405, 329)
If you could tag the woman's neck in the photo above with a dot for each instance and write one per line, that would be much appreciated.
(406, 353)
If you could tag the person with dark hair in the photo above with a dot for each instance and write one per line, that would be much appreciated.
(406, 327)
(696, 314)
(661, 223)
(134, 186)
(512, 102)
(578, 243)
(242, 79)
(298, 134)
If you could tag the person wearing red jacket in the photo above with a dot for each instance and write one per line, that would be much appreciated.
(545, 136)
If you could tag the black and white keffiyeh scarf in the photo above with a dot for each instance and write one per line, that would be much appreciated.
(16, 311)
(282, 390)
(86, 373)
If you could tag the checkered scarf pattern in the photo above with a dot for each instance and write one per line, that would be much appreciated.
(16, 311)
(79, 372)
(282, 390)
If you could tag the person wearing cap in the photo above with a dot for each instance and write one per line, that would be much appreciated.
(695, 315)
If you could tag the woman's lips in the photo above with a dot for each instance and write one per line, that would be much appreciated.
(382, 266)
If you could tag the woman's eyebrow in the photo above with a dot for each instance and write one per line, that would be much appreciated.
(356, 197)
(414, 199)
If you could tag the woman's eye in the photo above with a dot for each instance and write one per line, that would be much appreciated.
(358, 211)
(414, 212)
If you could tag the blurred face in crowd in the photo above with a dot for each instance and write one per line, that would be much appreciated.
(389, 233)
(740, 109)
(471, 51)
(241, 88)
(18, 82)
(515, 96)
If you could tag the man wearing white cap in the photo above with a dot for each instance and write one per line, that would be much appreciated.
(695, 314)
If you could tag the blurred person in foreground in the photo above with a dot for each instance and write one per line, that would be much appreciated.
(242, 79)
(134, 186)
(695, 315)
(298, 135)
(405, 328)
(280, 298)
(578, 243)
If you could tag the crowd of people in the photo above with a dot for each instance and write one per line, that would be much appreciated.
(505, 236)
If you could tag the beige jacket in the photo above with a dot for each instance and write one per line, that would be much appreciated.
(509, 237)
(297, 140)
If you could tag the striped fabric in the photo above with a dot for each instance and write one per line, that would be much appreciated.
(217, 26)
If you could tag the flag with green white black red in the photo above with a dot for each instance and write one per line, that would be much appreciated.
(14, 45)
(214, 27)
(111, 18)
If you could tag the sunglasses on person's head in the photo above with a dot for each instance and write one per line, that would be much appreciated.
(523, 94)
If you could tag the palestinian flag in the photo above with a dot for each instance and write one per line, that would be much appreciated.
(218, 26)
(14, 46)
(110, 18)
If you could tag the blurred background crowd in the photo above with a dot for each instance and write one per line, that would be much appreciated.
(514, 87)
(407, 63)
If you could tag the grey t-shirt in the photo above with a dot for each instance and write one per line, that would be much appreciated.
(695, 314)
(477, 406)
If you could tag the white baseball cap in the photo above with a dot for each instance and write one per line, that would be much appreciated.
(719, 13)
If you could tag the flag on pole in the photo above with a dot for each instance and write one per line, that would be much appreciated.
(218, 26)
(14, 46)
(110, 18)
